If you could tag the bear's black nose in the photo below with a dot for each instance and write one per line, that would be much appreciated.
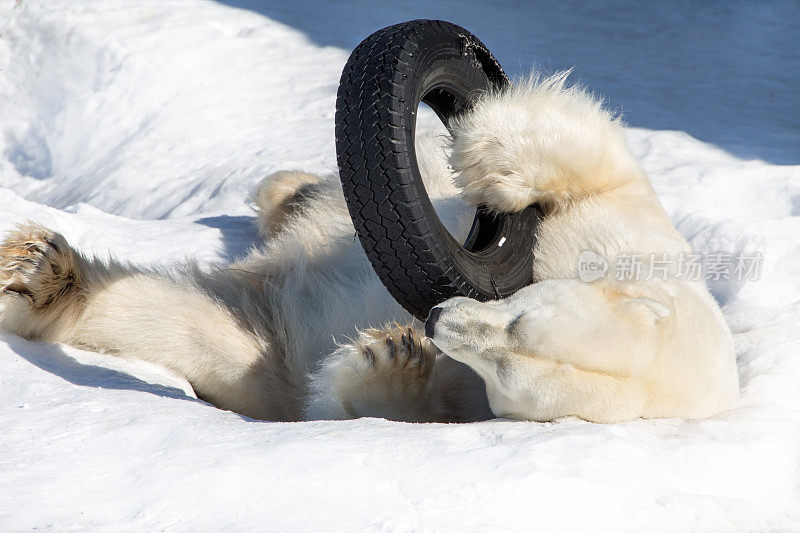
(430, 324)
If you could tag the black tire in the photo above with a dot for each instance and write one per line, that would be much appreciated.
(383, 82)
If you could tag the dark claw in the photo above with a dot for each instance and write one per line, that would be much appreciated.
(392, 347)
(412, 350)
(35, 246)
(21, 291)
(53, 245)
(409, 344)
(370, 355)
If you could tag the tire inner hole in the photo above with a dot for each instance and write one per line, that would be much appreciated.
(477, 230)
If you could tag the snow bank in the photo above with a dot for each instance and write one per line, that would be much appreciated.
(138, 130)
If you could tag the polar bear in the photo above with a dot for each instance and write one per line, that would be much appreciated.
(297, 330)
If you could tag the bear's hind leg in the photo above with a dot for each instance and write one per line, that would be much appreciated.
(280, 195)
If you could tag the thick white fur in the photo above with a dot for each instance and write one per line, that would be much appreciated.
(541, 142)
(255, 336)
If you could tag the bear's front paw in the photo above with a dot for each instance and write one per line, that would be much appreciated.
(388, 373)
(38, 265)
(398, 353)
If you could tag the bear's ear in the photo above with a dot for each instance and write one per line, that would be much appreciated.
(652, 307)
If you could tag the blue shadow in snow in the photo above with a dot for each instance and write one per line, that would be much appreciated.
(51, 358)
(724, 71)
(238, 233)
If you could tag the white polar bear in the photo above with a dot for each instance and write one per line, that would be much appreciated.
(255, 336)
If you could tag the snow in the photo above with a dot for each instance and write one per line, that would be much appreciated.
(138, 129)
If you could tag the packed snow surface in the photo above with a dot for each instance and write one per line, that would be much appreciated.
(138, 129)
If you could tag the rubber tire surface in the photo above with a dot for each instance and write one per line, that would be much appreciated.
(416, 258)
